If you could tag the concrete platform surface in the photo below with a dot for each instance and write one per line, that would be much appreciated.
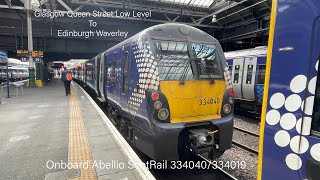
(47, 135)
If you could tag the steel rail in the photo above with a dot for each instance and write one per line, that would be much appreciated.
(220, 169)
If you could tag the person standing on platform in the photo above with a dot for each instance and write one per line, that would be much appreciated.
(66, 77)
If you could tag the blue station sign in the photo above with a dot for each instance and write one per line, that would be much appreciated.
(3, 56)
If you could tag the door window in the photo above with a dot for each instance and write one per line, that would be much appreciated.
(236, 74)
(109, 71)
(249, 74)
(101, 68)
(261, 73)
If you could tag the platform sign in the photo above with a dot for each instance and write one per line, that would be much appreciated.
(3, 56)
(24, 59)
(37, 54)
(22, 53)
(37, 60)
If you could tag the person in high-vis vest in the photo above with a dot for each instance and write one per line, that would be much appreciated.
(66, 77)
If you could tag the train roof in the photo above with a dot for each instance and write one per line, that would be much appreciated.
(17, 62)
(74, 63)
(260, 51)
(14, 61)
(13, 67)
(174, 31)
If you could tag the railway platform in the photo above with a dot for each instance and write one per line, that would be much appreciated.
(47, 135)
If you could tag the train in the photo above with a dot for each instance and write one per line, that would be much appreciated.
(17, 71)
(289, 145)
(169, 89)
(248, 73)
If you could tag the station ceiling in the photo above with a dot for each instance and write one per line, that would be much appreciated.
(237, 24)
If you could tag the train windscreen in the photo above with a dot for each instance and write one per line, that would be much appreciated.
(175, 62)
(209, 63)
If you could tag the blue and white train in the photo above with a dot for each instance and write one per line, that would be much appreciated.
(248, 72)
(17, 71)
(170, 89)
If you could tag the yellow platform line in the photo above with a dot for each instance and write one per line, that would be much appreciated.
(79, 149)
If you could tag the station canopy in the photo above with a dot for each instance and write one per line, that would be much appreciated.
(202, 3)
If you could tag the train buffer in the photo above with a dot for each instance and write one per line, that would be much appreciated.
(47, 135)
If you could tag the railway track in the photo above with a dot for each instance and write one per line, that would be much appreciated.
(218, 168)
(250, 119)
(246, 131)
(242, 130)
(245, 147)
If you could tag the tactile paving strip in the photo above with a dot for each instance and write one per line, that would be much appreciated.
(79, 150)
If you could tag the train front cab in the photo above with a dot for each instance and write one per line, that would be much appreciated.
(290, 126)
(188, 108)
(170, 108)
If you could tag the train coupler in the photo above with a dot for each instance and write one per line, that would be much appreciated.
(202, 140)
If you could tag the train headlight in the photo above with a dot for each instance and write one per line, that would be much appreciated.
(163, 114)
(157, 105)
(227, 108)
(231, 100)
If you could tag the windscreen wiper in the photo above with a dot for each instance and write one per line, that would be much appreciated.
(185, 71)
(209, 75)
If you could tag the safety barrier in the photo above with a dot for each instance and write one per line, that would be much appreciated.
(18, 86)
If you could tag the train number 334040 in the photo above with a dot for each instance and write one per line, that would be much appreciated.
(207, 101)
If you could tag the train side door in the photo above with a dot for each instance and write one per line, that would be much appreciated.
(113, 75)
(97, 74)
(117, 64)
(229, 63)
(237, 70)
(248, 80)
(309, 128)
(101, 75)
(85, 73)
(109, 80)
(125, 77)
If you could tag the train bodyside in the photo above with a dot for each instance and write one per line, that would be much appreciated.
(248, 72)
(162, 111)
(92, 75)
(17, 71)
(290, 142)
(79, 72)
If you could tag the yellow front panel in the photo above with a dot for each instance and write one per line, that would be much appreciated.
(196, 100)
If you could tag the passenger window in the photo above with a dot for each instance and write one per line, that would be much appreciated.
(261, 74)
(108, 75)
(249, 74)
(236, 74)
(230, 69)
(125, 72)
(101, 70)
(92, 72)
(113, 73)
(89, 70)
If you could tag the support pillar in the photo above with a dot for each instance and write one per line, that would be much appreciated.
(30, 43)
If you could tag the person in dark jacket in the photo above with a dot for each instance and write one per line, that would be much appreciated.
(65, 80)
